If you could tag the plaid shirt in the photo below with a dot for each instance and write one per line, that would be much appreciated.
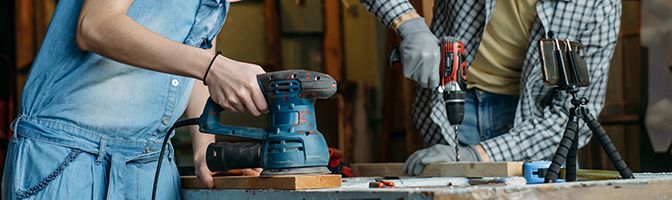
(542, 111)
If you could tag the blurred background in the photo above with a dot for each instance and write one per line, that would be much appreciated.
(369, 118)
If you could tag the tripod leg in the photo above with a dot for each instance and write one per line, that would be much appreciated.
(608, 147)
(570, 175)
(563, 149)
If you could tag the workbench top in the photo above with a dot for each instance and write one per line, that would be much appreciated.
(645, 186)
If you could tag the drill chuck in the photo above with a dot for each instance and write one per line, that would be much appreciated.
(454, 106)
(222, 156)
(453, 97)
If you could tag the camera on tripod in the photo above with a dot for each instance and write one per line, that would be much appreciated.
(562, 65)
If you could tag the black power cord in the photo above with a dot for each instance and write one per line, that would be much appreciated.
(186, 122)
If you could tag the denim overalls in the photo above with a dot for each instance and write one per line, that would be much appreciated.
(90, 127)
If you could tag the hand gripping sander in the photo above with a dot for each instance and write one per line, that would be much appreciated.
(291, 144)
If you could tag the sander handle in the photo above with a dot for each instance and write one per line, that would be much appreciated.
(209, 122)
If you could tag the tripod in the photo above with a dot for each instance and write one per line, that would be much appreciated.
(569, 144)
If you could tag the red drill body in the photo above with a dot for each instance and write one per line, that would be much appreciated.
(453, 70)
(453, 83)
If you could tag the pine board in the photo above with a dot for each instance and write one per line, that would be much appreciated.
(457, 169)
(296, 182)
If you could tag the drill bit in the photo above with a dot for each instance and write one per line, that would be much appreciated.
(454, 98)
(457, 149)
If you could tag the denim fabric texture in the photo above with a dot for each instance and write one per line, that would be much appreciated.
(486, 115)
(90, 127)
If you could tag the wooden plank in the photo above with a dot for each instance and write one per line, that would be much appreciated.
(298, 182)
(459, 169)
(332, 45)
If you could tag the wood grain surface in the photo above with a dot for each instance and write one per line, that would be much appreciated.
(297, 182)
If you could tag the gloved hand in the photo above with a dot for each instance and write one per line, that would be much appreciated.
(437, 153)
(420, 52)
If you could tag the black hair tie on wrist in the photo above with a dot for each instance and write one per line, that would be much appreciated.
(209, 66)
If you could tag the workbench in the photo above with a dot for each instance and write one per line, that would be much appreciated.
(645, 186)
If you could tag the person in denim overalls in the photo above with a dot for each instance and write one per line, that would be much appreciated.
(110, 79)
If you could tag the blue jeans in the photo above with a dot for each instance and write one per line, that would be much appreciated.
(487, 115)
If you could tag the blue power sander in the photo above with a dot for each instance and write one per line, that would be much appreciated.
(291, 144)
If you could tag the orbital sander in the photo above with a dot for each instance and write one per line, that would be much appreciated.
(291, 143)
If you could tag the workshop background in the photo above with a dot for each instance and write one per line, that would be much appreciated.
(369, 117)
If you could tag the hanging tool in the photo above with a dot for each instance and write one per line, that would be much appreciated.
(453, 83)
(290, 144)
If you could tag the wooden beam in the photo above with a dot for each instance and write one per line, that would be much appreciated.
(44, 9)
(299, 182)
(273, 35)
(393, 114)
(458, 169)
(332, 45)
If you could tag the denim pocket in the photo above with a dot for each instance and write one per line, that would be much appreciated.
(38, 164)
(210, 17)
(13, 170)
(140, 187)
(501, 114)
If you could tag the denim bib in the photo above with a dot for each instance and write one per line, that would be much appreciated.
(83, 89)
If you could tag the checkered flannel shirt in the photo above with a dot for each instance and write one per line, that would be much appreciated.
(542, 111)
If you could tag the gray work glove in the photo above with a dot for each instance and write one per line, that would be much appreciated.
(437, 153)
(420, 52)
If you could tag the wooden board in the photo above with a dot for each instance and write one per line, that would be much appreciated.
(459, 169)
(298, 182)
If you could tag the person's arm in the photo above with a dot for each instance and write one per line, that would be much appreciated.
(419, 48)
(537, 138)
(200, 141)
(391, 12)
(105, 28)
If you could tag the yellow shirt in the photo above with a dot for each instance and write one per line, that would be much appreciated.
(498, 62)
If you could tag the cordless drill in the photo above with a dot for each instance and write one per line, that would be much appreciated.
(453, 83)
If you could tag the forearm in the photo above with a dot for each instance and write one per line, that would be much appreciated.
(535, 139)
(537, 135)
(104, 28)
(403, 18)
(391, 12)
(199, 141)
(481, 153)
